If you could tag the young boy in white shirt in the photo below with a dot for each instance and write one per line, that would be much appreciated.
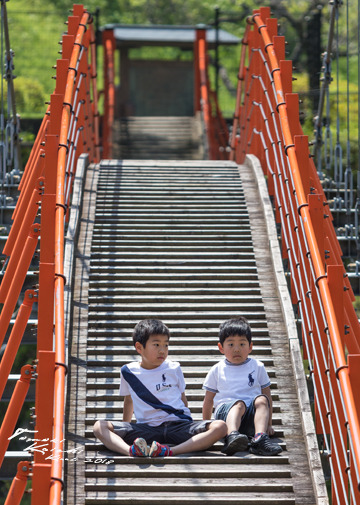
(154, 389)
(239, 387)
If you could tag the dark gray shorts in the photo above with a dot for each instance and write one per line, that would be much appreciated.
(171, 432)
(247, 426)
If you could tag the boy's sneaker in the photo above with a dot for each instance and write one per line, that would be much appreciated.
(139, 448)
(159, 451)
(261, 444)
(235, 442)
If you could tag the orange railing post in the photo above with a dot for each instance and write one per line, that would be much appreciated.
(41, 481)
(109, 92)
(44, 406)
(216, 136)
(200, 33)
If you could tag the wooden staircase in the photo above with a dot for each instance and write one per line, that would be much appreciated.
(157, 137)
(173, 240)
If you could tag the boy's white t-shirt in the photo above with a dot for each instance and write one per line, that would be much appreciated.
(236, 382)
(166, 382)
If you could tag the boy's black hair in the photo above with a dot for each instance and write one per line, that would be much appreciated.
(147, 327)
(237, 326)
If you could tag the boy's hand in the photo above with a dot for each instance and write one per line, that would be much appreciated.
(270, 431)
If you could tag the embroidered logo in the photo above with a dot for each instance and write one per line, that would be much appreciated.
(163, 385)
(251, 378)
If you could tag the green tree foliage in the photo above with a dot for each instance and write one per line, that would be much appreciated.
(36, 29)
(29, 95)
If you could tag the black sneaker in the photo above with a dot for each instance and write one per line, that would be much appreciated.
(235, 442)
(264, 446)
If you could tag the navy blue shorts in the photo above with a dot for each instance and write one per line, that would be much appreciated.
(247, 426)
(170, 432)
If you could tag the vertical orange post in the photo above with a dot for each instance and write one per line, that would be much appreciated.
(316, 211)
(18, 485)
(339, 431)
(109, 91)
(47, 245)
(303, 156)
(94, 95)
(41, 481)
(354, 376)
(200, 34)
(44, 402)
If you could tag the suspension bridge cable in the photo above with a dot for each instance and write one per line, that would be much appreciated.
(318, 120)
(11, 130)
(2, 116)
(348, 173)
(357, 205)
(338, 148)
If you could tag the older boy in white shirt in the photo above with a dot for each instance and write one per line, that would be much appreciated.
(154, 389)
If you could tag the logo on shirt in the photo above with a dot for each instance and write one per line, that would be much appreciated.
(163, 385)
(251, 378)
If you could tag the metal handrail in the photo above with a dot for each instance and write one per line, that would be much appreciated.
(266, 123)
(69, 129)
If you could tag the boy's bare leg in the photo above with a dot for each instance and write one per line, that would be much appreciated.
(215, 431)
(234, 417)
(104, 431)
(261, 418)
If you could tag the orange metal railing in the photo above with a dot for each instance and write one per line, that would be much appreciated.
(216, 136)
(109, 93)
(70, 128)
(266, 124)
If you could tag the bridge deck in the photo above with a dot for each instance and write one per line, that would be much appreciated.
(185, 242)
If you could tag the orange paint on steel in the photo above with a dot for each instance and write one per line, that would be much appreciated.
(14, 408)
(109, 92)
(59, 388)
(34, 151)
(342, 371)
(239, 92)
(93, 75)
(200, 34)
(44, 402)
(15, 337)
(204, 95)
(18, 280)
(23, 205)
(18, 485)
(23, 232)
(41, 479)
